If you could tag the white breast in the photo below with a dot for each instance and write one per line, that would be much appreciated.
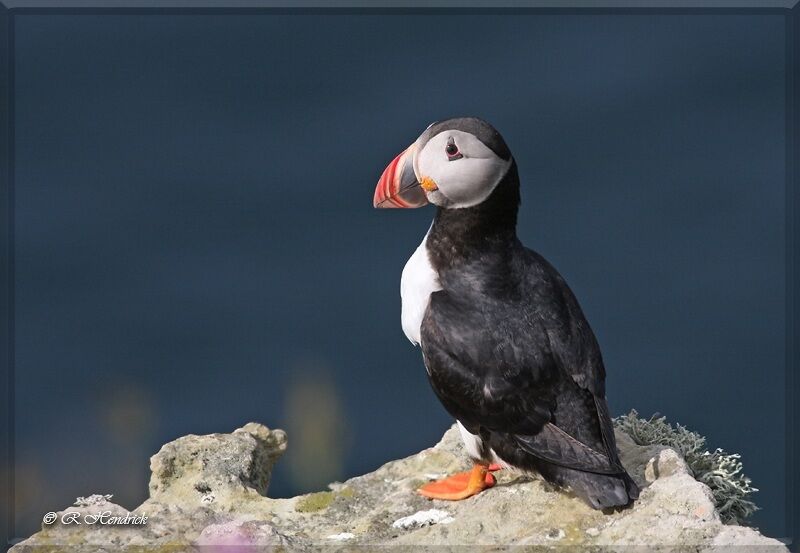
(418, 282)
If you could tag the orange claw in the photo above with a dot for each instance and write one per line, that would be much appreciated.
(461, 485)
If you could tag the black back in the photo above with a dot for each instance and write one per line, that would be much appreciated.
(508, 350)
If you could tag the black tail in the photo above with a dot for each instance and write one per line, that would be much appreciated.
(599, 491)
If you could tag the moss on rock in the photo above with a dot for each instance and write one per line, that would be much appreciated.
(717, 469)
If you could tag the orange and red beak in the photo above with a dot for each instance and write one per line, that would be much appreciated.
(398, 185)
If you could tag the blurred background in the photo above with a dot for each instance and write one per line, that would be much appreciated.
(196, 246)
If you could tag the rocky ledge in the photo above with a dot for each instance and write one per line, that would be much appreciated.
(208, 493)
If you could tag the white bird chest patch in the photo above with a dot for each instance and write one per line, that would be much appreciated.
(418, 282)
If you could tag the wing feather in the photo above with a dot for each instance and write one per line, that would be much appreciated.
(504, 374)
(556, 446)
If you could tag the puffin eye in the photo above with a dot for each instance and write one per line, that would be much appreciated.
(452, 151)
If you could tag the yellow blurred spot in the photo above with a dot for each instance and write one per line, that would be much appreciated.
(128, 415)
(29, 487)
(316, 429)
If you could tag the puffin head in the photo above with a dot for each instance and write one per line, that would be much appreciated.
(453, 164)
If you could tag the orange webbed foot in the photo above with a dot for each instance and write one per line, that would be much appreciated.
(461, 485)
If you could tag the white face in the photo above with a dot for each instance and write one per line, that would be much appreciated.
(463, 168)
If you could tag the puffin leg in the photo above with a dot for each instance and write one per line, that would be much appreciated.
(461, 485)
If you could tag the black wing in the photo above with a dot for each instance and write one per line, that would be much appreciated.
(525, 364)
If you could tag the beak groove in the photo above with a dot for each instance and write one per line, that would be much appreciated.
(398, 186)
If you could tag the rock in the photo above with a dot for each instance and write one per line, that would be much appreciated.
(242, 533)
(423, 518)
(666, 463)
(342, 537)
(208, 493)
(636, 456)
(218, 471)
(731, 536)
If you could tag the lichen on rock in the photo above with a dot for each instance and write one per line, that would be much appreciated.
(208, 493)
(719, 470)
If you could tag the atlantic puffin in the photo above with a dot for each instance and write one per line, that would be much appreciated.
(506, 346)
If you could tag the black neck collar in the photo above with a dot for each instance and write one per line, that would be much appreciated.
(458, 235)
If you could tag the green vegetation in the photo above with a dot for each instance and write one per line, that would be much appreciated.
(321, 500)
(720, 471)
(314, 502)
